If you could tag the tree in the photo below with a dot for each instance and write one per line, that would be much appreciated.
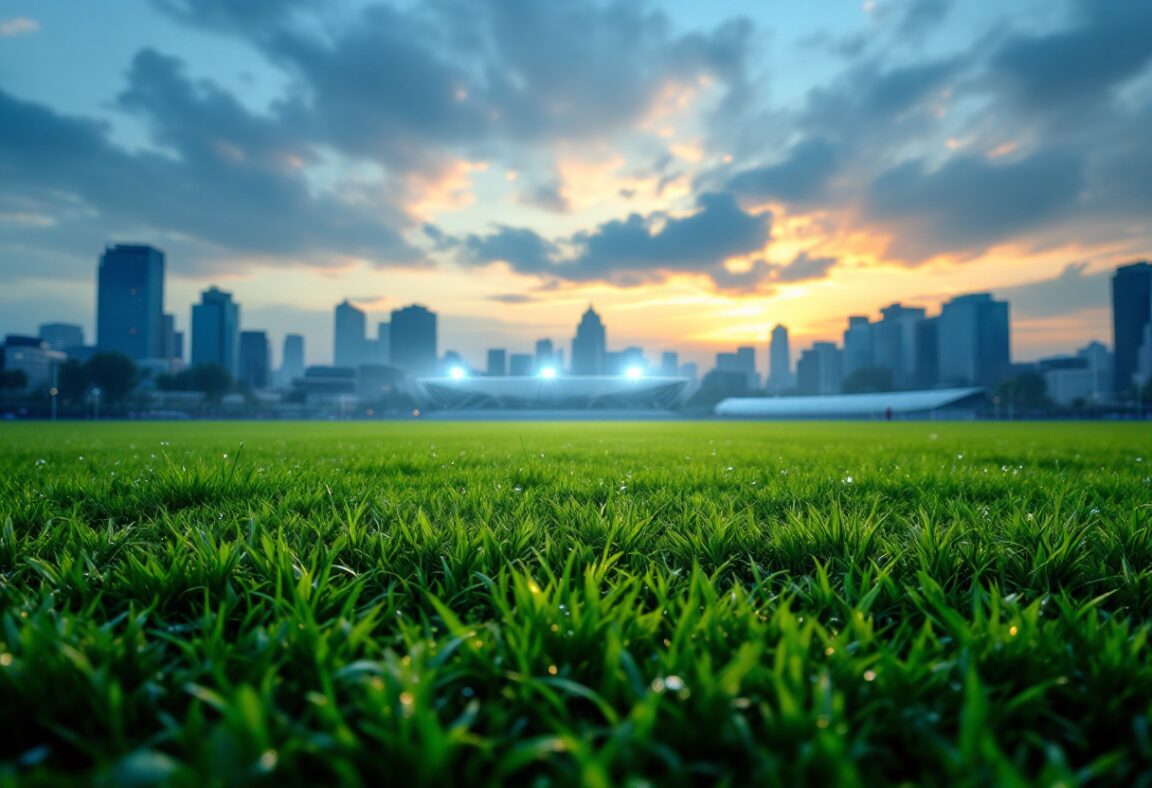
(113, 373)
(868, 380)
(214, 380)
(1026, 392)
(13, 379)
(72, 379)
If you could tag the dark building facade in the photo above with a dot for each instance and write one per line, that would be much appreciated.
(1131, 312)
(255, 359)
(130, 301)
(216, 329)
(350, 336)
(497, 362)
(412, 340)
(973, 341)
(589, 345)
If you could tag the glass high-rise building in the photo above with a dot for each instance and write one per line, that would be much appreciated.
(412, 340)
(130, 301)
(589, 345)
(497, 362)
(255, 359)
(1131, 312)
(894, 342)
(216, 329)
(857, 345)
(973, 341)
(779, 361)
(350, 336)
(62, 336)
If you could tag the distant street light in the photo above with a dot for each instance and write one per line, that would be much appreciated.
(548, 373)
(634, 373)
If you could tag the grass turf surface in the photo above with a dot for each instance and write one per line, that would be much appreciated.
(572, 603)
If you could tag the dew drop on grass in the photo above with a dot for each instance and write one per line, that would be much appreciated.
(848, 480)
(268, 760)
(553, 670)
(467, 692)
(5, 660)
(869, 675)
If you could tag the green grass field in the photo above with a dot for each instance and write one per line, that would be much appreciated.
(576, 603)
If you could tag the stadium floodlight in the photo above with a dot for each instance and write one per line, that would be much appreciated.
(548, 373)
(634, 373)
(457, 373)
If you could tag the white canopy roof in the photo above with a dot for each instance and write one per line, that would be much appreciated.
(851, 405)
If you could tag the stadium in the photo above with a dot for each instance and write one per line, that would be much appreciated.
(550, 390)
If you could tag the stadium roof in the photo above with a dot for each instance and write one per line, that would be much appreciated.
(851, 405)
(566, 392)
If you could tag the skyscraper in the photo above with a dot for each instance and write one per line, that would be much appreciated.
(61, 336)
(292, 362)
(383, 343)
(973, 341)
(216, 329)
(589, 345)
(254, 359)
(894, 342)
(130, 301)
(350, 336)
(170, 337)
(497, 362)
(545, 354)
(779, 361)
(1131, 312)
(413, 340)
(670, 363)
(520, 365)
(857, 345)
(819, 371)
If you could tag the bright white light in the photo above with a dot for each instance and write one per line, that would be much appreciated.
(457, 373)
(634, 373)
(548, 373)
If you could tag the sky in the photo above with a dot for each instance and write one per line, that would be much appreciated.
(698, 171)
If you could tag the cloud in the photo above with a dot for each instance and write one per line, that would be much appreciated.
(763, 277)
(1072, 290)
(513, 298)
(970, 203)
(632, 251)
(1076, 68)
(921, 16)
(801, 177)
(547, 196)
(18, 26)
(226, 182)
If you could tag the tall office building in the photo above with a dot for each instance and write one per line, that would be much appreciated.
(819, 370)
(1131, 312)
(216, 329)
(412, 340)
(170, 349)
(383, 343)
(545, 354)
(779, 361)
(61, 336)
(292, 362)
(255, 359)
(130, 301)
(670, 363)
(894, 343)
(589, 345)
(497, 362)
(349, 337)
(743, 361)
(926, 369)
(973, 341)
(857, 345)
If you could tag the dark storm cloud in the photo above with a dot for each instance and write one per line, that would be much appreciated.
(230, 14)
(631, 251)
(801, 177)
(970, 202)
(1078, 66)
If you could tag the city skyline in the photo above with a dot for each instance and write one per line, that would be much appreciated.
(706, 174)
